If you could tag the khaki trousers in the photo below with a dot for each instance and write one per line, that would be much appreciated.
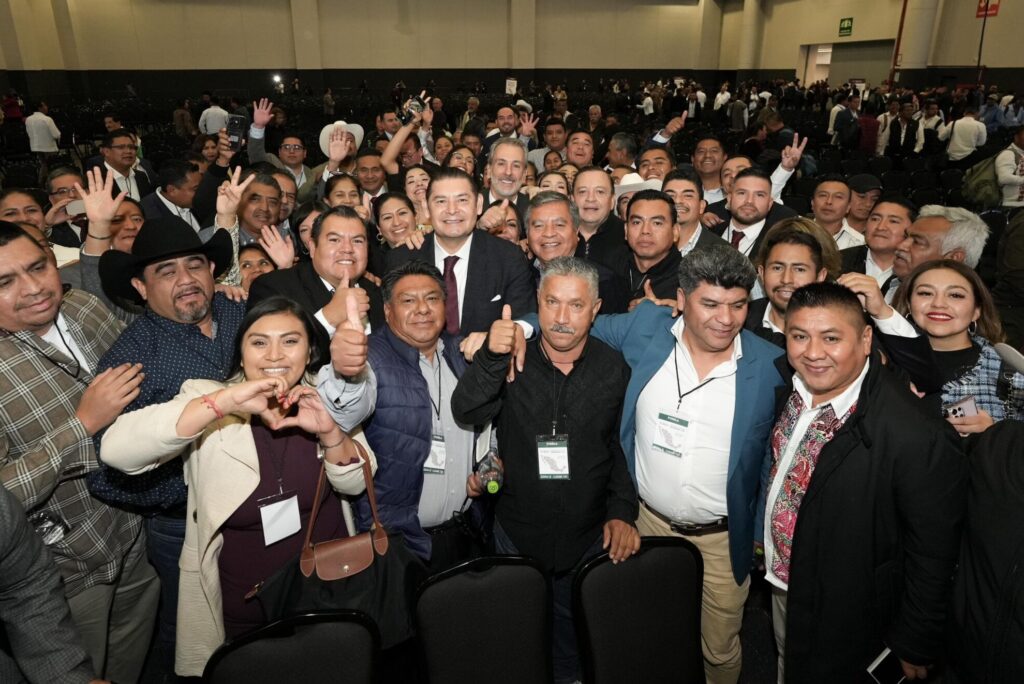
(721, 604)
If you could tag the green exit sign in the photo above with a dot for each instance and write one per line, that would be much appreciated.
(845, 27)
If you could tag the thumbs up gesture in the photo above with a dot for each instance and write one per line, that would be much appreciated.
(494, 218)
(503, 333)
(349, 345)
(336, 311)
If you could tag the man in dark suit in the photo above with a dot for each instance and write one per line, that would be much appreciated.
(507, 167)
(120, 152)
(887, 227)
(752, 211)
(684, 188)
(338, 251)
(602, 234)
(60, 188)
(179, 181)
(482, 273)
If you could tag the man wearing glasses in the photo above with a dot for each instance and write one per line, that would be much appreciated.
(119, 151)
(65, 229)
(291, 155)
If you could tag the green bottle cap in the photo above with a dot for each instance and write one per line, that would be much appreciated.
(493, 486)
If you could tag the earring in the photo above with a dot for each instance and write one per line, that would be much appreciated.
(972, 328)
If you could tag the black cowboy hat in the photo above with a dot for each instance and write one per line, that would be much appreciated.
(159, 239)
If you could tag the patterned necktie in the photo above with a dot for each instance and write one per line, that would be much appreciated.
(451, 303)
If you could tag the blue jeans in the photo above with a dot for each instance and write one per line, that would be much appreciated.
(564, 649)
(164, 538)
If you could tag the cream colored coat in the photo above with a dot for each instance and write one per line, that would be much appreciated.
(221, 471)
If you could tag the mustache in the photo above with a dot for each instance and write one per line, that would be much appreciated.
(563, 329)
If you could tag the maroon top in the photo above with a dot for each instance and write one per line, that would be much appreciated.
(245, 561)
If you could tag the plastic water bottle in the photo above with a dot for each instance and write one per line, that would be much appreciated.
(490, 473)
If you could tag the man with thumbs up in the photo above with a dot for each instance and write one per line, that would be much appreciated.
(336, 270)
(409, 369)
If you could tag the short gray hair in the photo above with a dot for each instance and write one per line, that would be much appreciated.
(719, 265)
(506, 142)
(551, 197)
(573, 267)
(967, 231)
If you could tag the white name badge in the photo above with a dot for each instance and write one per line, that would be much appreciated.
(671, 434)
(438, 457)
(553, 457)
(280, 517)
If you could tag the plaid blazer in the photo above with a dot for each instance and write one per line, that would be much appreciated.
(995, 386)
(45, 452)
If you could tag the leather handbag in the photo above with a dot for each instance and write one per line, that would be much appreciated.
(372, 572)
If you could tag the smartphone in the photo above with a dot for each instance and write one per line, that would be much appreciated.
(961, 409)
(414, 106)
(886, 668)
(236, 131)
(76, 208)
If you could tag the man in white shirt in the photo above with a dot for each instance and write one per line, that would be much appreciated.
(884, 119)
(698, 471)
(120, 153)
(213, 118)
(1010, 171)
(887, 227)
(829, 204)
(723, 97)
(839, 106)
(43, 134)
(965, 136)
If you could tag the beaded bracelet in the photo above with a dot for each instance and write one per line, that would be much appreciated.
(213, 406)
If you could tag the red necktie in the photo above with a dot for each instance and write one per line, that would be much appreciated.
(736, 238)
(451, 303)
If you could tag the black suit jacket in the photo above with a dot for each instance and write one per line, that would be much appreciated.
(608, 245)
(777, 213)
(497, 274)
(754, 323)
(146, 183)
(64, 235)
(855, 261)
(302, 284)
(153, 208)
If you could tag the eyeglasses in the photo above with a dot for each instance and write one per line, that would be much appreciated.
(292, 148)
(124, 147)
(63, 192)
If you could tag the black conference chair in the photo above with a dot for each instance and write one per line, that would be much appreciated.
(852, 167)
(920, 180)
(995, 219)
(894, 181)
(923, 196)
(879, 165)
(911, 164)
(639, 621)
(799, 204)
(488, 619)
(323, 646)
(952, 179)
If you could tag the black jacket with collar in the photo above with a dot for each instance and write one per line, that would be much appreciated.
(855, 260)
(302, 284)
(497, 274)
(876, 539)
(608, 245)
(777, 213)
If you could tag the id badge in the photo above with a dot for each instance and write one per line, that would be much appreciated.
(280, 516)
(671, 434)
(438, 457)
(553, 457)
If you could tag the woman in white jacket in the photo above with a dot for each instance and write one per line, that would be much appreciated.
(252, 448)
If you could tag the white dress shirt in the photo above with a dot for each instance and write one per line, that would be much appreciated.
(965, 136)
(689, 488)
(125, 183)
(848, 236)
(181, 212)
(840, 405)
(875, 271)
(750, 234)
(59, 335)
(461, 269)
(319, 315)
(43, 134)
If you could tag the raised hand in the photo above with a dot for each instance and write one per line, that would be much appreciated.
(279, 249)
(527, 124)
(337, 147)
(261, 115)
(791, 154)
(107, 395)
(427, 117)
(870, 294)
(225, 153)
(252, 396)
(100, 205)
(502, 336)
(675, 125)
(494, 218)
(229, 194)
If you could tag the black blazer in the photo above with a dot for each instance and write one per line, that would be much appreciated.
(146, 183)
(755, 316)
(302, 284)
(64, 235)
(154, 209)
(497, 274)
(855, 261)
(777, 213)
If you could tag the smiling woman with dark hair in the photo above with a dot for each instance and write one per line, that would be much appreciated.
(249, 444)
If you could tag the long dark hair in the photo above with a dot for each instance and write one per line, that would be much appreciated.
(319, 344)
(989, 325)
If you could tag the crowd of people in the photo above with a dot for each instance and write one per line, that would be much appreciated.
(182, 347)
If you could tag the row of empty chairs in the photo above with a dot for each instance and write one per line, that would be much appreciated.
(489, 619)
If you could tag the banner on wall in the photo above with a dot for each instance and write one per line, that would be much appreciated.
(987, 8)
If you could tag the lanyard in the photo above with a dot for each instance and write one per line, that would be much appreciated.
(679, 387)
(437, 405)
(556, 397)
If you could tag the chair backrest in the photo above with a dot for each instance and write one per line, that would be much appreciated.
(322, 646)
(488, 619)
(639, 621)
